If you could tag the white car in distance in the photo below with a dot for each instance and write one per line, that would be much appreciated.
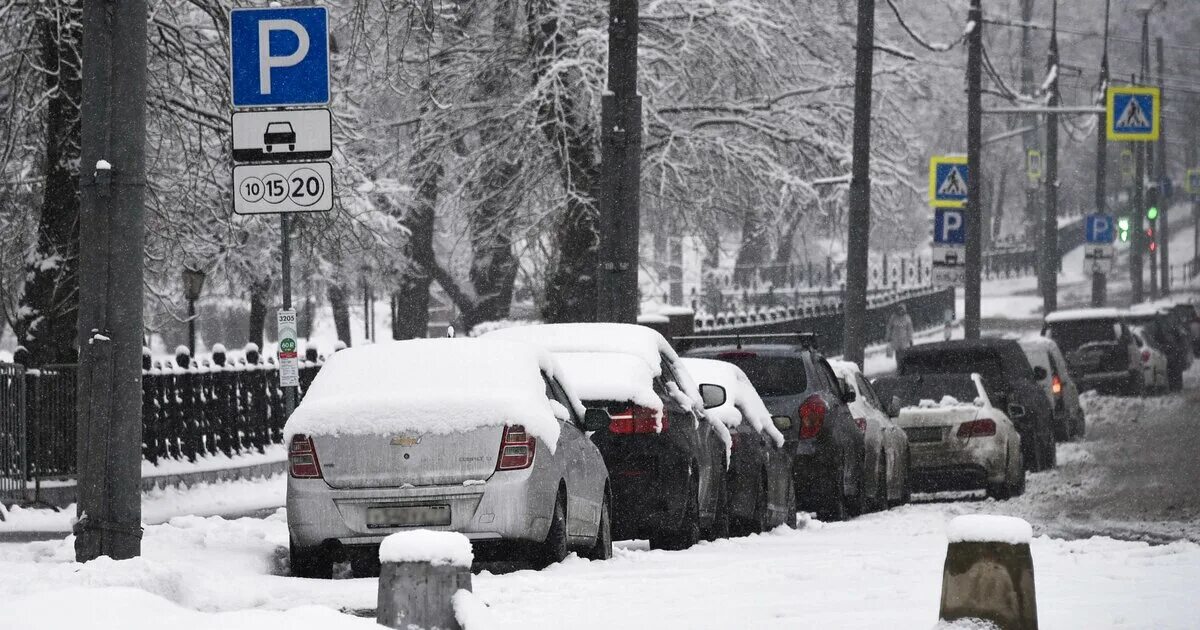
(887, 453)
(1154, 361)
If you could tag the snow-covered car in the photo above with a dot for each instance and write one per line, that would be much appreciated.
(1163, 327)
(760, 494)
(887, 445)
(1058, 384)
(1099, 350)
(958, 439)
(794, 379)
(475, 436)
(1154, 361)
(666, 459)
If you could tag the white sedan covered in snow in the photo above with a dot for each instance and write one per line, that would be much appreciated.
(468, 435)
(958, 439)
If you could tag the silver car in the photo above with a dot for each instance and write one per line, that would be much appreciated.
(467, 435)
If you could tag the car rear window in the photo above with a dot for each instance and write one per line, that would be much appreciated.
(912, 390)
(958, 361)
(1070, 335)
(771, 375)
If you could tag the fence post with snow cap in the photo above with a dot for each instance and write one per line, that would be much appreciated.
(421, 574)
(989, 572)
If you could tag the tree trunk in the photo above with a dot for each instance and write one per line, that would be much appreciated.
(571, 285)
(50, 303)
(341, 311)
(753, 249)
(259, 293)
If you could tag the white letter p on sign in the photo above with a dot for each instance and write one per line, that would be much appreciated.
(952, 222)
(266, 61)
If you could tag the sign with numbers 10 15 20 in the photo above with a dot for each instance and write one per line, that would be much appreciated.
(278, 188)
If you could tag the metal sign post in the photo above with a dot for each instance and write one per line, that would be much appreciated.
(279, 58)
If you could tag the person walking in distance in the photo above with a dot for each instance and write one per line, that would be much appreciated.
(899, 332)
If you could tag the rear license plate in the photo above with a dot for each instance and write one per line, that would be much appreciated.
(408, 516)
(924, 434)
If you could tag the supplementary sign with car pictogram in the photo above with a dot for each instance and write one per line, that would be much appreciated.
(285, 135)
(948, 181)
(274, 188)
(1100, 230)
(949, 246)
(1133, 112)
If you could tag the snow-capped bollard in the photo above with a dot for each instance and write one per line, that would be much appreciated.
(420, 573)
(989, 572)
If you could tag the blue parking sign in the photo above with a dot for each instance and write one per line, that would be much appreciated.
(279, 56)
(1099, 228)
(949, 227)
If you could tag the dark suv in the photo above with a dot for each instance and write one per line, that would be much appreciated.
(1168, 332)
(1100, 350)
(794, 380)
(1003, 365)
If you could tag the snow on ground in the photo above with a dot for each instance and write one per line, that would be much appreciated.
(817, 576)
(240, 496)
(205, 463)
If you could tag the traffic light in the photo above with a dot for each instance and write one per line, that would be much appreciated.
(1152, 213)
(1123, 229)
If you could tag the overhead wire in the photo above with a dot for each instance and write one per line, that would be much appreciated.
(939, 48)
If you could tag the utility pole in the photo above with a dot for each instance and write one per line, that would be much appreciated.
(1099, 279)
(285, 258)
(1031, 138)
(1164, 229)
(974, 214)
(112, 182)
(1151, 195)
(1137, 235)
(620, 170)
(859, 228)
(1050, 228)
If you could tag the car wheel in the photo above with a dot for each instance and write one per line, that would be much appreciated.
(762, 509)
(906, 481)
(1031, 453)
(554, 549)
(880, 500)
(1175, 380)
(721, 520)
(1080, 424)
(688, 533)
(1137, 385)
(364, 563)
(313, 563)
(857, 504)
(602, 549)
(792, 520)
(833, 506)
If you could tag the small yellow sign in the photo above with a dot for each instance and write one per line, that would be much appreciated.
(1033, 164)
(948, 178)
(1133, 112)
(1191, 183)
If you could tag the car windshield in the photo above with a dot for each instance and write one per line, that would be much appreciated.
(1070, 335)
(911, 390)
(957, 361)
(771, 375)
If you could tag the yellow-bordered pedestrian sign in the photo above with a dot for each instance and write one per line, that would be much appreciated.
(1191, 183)
(948, 178)
(1033, 164)
(1133, 112)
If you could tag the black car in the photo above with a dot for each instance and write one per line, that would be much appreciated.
(1100, 349)
(666, 469)
(1190, 317)
(1169, 333)
(795, 380)
(1003, 365)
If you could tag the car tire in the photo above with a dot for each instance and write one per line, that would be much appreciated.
(688, 532)
(1031, 454)
(879, 502)
(906, 483)
(1175, 380)
(364, 563)
(792, 520)
(721, 520)
(1137, 385)
(1080, 425)
(832, 501)
(602, 548)
(312, 563)
(857, 504)
(554, 548)
(1050, 458)
(762, 508)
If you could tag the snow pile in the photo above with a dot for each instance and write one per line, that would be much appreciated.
(741, 399)
(471, 612)
(609, 376)
(989, 528)
(423, 545)
(1102, 409)
(966, 624)
(439, 386)
(947, 402)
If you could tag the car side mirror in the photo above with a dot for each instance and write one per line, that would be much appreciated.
(1039, 373)
(595, 419)
(893, 407)
(1016, 411)
(849, 395)
(783, 423)
(712, 395)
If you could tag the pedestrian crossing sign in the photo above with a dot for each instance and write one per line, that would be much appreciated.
(1133, 112)
(1192, 181)
(948, 181)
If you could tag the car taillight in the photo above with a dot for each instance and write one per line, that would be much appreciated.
(812, 416)
(302, 458)
(733, 440)
(1145, 356)
(516, 448)
(861, 423)
(1056, 384)
(637, 419)
(982, 427)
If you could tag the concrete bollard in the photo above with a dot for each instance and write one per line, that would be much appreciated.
(989, 572)
(420, 573)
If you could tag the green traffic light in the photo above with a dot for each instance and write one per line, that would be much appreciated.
(1123, 224)
(1152, 213)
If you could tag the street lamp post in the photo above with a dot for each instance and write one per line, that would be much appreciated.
(193, 284)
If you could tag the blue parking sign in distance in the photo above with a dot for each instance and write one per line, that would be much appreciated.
(949, 227)
(1099, 228)
(279, 56)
